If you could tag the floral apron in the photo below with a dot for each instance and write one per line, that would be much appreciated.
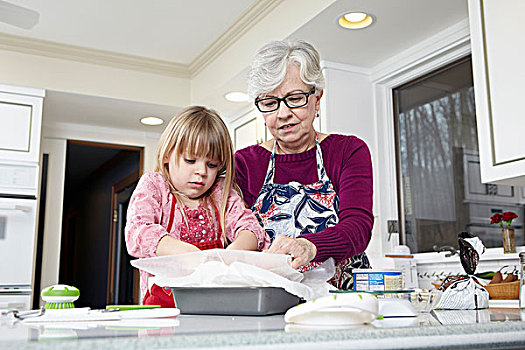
(163, 296)
(294, 209)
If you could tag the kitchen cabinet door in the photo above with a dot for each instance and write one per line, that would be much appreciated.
(497, 31)
(248, 130)
(475, 191)
(20, 121)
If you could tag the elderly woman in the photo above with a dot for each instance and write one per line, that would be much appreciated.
(311, 191)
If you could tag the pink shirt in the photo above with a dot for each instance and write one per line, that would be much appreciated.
(149, 214)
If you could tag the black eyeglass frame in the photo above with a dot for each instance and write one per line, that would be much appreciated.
(283, 99)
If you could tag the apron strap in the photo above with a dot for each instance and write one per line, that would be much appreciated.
(172, 212)
(219, 231)
(321, 172)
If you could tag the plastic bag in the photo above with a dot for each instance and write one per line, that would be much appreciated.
(464, 293)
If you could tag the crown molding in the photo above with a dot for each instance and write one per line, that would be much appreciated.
(252, 15)
(255, 13)
(85, 55)
(344, 67)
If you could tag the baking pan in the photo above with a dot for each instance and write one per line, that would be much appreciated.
(244, 301)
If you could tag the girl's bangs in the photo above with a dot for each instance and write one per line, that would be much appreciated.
(204, 143)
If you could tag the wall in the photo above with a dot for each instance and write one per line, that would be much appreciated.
(23, 69)
(347, 108)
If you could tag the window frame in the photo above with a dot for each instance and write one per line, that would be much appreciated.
(434, 53)
(395, 116)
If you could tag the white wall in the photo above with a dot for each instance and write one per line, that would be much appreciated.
(56, 148)
(347, 108)
(41, 72)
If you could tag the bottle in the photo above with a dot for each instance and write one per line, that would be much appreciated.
(522, 281)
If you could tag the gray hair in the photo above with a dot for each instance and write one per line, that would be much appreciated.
(271, 61)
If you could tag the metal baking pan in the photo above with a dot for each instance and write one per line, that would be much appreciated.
(243, 301)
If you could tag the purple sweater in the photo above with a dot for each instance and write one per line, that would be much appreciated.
(349, 167)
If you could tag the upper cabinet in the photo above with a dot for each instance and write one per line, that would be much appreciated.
(248, 129)
(498, 55)
(20, 123)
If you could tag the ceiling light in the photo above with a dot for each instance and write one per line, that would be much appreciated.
(355, 17)
(355, 20)
(151, 121)
(236, 96)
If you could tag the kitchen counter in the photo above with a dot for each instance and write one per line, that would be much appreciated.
(490, 328)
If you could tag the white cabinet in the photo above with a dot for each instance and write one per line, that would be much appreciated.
(20, 123)
(248, 130)
(475, 191)
(497, 31)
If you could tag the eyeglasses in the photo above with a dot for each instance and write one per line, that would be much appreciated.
(296, 100)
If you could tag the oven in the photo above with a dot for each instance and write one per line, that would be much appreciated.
(18, 218)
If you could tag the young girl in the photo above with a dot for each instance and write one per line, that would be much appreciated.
(189, 202)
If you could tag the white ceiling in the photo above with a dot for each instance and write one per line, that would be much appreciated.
(169, 30)
(179, 31)
(399, 25)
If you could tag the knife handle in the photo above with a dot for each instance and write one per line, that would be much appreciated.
(131, 307)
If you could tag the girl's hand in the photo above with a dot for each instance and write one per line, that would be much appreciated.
(170, 246)
(245, 240)
(302, 250)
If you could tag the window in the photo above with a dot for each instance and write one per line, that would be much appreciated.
(439, 185)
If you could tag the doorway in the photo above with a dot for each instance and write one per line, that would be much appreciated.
(123, 281)
(98, 179)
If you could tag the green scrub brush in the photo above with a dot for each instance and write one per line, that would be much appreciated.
(60, 296)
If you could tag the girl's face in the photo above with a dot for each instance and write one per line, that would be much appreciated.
(192, 175)
(292, 127)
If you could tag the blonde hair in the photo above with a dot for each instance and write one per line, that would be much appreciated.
(198, 131)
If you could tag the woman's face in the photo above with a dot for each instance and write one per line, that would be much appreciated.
(292, 127)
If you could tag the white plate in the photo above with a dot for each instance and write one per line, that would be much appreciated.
(337, 309)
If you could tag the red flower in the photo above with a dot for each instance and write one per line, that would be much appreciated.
(508, 216)
(505, 217)
(496, 218)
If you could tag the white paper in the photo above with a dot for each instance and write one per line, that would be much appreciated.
(186, 264)
(464, 295)
(230, 268)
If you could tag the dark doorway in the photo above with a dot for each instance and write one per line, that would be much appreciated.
(93, 172)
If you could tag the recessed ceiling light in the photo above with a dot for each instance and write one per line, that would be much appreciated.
(237, 96)
(355, 20)
(151, 121)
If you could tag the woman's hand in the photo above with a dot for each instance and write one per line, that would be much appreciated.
(245, 240)
(170, 246)
(302, 250)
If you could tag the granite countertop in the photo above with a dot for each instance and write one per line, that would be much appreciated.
(490, 328)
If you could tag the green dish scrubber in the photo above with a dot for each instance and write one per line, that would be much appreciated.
(60, 296)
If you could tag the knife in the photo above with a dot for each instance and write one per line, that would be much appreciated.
(131, 307)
